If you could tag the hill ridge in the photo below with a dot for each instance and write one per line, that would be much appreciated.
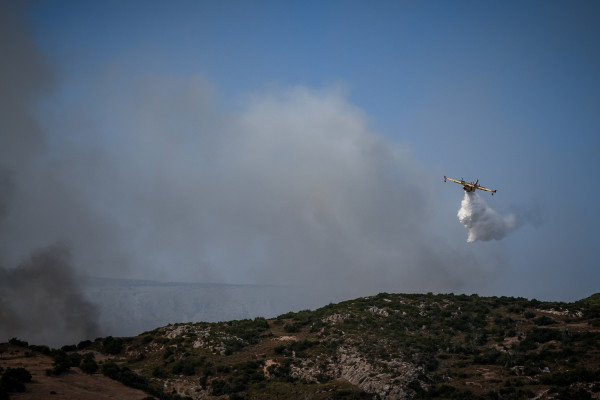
(387, 346)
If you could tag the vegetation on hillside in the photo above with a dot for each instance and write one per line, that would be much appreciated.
(385, 346)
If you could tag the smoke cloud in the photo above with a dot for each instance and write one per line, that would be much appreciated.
(157, 177)
(482, 222)
(40, 301)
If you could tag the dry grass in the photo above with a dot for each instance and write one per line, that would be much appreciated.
(72, 385)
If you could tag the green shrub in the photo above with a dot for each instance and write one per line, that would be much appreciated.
(16, 342)
(84, 344)
(219, 387)
(169, 351)
(45, 350)
(147, 339)
(544, 320)
(490, 356)
(112, 345)
(542, 335)
(88, 364)
(111, 370)
(131, 379)
(185, 367)
(14, 379)
(159, 372)
(63, 361)
(566, 378)
(292, 328)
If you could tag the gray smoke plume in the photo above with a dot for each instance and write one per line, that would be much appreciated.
(153, 177)
(41, 302)
(482, 222)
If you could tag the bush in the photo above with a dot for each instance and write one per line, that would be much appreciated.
(84, 344)
(159, 372)
(544, 320)
(16, 342)
(111, 370)
(564, 393)
(147, 339)
(45, 350)
(232, 345)
(292, 328)
(542, 335)
(88, 364)
(131, 379)
(529, 314)
(249, 330)
(62, 362)
(281, 372)
(186, 367)
(112, 346)
(490, 356)
(567, 378)
(74, 359)
(219, 387)
(14, 379)
(169, 351)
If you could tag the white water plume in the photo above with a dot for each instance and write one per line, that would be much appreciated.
(482, 221)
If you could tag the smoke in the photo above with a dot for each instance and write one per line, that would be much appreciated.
(292, 187)
(482, 222)
(41, 302)
(156, 177)
(39, 299)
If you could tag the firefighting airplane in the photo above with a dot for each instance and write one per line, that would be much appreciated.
(470, 186)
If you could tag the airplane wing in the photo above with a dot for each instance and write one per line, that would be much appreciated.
(486, 189)
(453, 180)
(470, 186)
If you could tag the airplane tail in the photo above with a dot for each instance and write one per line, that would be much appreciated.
(445, 178)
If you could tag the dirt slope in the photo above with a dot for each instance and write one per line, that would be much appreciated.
(72, 385)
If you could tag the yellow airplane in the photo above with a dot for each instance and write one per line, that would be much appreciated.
(470, 186)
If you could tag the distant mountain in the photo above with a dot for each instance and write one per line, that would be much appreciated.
(128, 307)
(389, 346)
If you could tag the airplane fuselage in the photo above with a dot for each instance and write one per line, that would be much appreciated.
(470, 186)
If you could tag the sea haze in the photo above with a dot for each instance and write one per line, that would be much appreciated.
(129, 307)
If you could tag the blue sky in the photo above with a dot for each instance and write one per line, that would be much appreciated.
(498, 81)
(506, 92)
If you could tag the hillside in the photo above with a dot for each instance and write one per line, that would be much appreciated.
(389, 346)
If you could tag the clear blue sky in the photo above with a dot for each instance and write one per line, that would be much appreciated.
(507, 92)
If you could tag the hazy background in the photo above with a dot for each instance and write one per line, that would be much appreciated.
(297, 145)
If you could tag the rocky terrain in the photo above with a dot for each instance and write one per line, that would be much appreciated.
(389, 346)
